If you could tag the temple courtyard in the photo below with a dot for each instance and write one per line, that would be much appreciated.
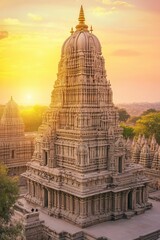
(123, 229)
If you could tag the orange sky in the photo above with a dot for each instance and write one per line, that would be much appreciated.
(32, 33)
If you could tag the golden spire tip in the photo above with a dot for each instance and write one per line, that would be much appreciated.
(81, 26)
(81, 16)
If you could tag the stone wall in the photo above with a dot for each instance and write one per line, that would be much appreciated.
(150, 236)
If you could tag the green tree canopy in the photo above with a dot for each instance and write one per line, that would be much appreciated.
(123, 115)
(149, 125)
(148, 111)
(128, 131)
(8, 196)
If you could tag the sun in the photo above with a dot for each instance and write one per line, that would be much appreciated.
(29, 99)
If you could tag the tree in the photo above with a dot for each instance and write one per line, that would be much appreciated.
(123, 115)
(8, 196)
(132, 120)
(150, 110)
(128, 131)
(149, 125)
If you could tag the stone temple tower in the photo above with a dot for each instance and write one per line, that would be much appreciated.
(16, 148)
(80, 169)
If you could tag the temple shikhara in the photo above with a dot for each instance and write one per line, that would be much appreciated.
(81, 170)
(16, 147)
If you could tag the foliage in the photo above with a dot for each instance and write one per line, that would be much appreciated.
(123, 115)
(148, 111)
(128, 131)
(149, 125)
(8, 196)
(132, 120)
(11, 232)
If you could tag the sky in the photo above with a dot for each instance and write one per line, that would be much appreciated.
(32, 34)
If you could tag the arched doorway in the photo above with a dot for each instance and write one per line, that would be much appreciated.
(130, 201)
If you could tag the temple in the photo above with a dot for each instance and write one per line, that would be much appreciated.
(146, 151)
(16, 147)
(81, 169)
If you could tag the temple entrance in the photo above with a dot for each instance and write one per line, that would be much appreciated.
(130, 201)
(45, 198)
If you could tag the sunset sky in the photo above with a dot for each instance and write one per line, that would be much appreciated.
(32, 33)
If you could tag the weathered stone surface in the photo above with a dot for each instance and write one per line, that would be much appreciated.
(16, 147)
(80, 170)
(147, 153)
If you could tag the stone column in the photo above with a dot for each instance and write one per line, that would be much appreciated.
(119, 201)
(126, 200)
(66, 195)
(71, 203)
(43, 199)
(55, 198)
(106, 203)
(28, 186)
(49, 198)
(31, 188)
(134, 199)
(110, 203)
(143, 195)
(101, 204)
(115, 202)
(82, 207)
(77, 207)
(62, 200)
(89, 206)
(124, 206)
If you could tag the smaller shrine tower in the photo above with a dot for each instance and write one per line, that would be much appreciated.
(16, 148)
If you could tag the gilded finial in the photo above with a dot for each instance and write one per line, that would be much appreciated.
(81, 16)
(91, 29)
(81, 26)
(71, 31)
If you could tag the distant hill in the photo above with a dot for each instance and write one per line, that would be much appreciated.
(136, 109)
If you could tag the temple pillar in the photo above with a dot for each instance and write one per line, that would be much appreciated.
(134, 198)
(43, 197)
(77, 207)
(89, 202)
(115, 202)
(101, 204)
(49, 198)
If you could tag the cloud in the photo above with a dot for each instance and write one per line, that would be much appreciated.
(11, 21)
(35, 17)
(3, 34)
(125, 53)
(100, 11)
(117, 5)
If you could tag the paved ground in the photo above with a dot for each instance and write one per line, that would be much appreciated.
(155, 195)
(123, 229)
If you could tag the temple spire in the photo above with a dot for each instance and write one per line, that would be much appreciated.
(81, 16)
(81, 26)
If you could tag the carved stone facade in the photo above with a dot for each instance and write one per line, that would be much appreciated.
(16, 148)
(147, 153)
(81, 170)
